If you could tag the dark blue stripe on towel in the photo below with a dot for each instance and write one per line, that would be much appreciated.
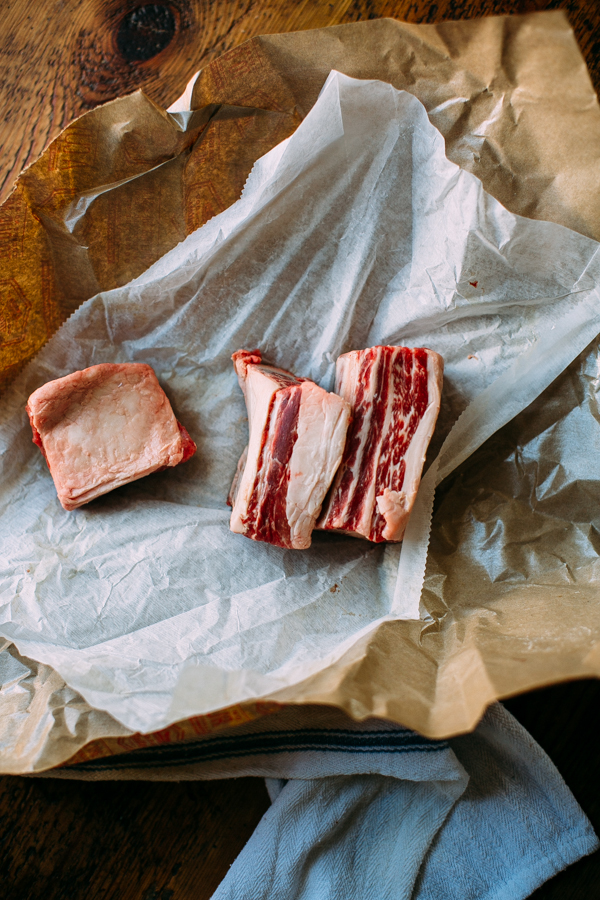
(220, 747)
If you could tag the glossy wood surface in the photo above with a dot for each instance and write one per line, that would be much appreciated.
(148, 841)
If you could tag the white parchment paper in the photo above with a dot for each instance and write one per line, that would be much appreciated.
(355, 231)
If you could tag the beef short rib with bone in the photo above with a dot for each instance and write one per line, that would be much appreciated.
(297, 437)
(370, 438)
(395, 394)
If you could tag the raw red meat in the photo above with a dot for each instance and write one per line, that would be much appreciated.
(103, 427)
(297, 436)
(394, 393)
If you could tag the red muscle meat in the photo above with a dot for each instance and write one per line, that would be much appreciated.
(394, 393)
(103, 427)
(297, 437)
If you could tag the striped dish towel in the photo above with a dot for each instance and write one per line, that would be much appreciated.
(371, 811)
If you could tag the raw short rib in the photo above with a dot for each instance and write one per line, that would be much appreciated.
(297, 437)
(394, 393)
(103, 427)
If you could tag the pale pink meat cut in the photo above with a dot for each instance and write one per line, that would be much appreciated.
(395, 394)
(103, 427)
(297, 437)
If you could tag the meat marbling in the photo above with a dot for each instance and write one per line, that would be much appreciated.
(297, 437)
(103, 427)
(394, 393)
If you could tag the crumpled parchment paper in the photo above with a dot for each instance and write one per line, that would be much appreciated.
(355, 231)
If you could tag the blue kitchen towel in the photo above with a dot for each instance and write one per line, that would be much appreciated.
(372, 811)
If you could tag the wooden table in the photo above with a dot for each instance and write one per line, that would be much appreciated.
(147, 841)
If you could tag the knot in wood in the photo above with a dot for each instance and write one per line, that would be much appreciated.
(146, 31)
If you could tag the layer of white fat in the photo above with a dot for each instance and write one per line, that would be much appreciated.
(258, 389)
(233, 490)
(396, 506)
(322, 425)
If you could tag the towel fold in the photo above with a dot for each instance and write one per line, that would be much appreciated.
(372, 810)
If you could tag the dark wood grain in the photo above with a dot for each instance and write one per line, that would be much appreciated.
(138, 841)
(59, 59)
(64, 840)
(563, 720)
